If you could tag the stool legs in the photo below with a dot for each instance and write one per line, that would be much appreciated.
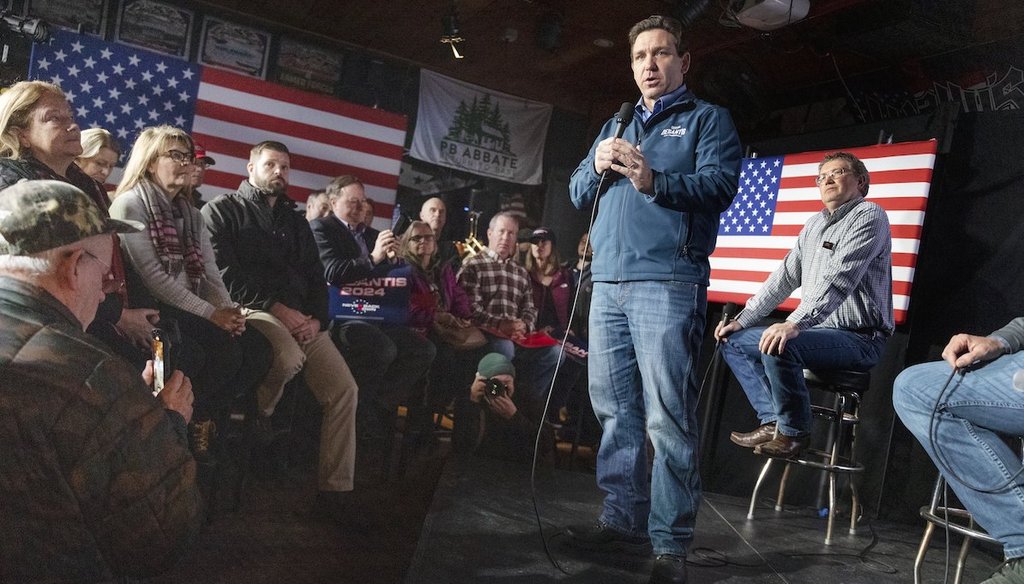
(951, 520)
(780, 501)
(926, 539)
(854, 498)
(840, 449)
(757, 487)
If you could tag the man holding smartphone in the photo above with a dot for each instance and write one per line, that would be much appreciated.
(386, 360)
(96, 477)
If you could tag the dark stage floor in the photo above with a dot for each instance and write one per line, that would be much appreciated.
(472, 521)
(481, 528)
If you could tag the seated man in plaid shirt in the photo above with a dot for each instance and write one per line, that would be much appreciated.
(502, 303)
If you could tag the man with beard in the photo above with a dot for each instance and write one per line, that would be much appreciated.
(271, 266)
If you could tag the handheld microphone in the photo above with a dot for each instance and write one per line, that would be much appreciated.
(728, 312)
(624, 118)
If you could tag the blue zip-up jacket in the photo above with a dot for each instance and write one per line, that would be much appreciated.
(693, 151)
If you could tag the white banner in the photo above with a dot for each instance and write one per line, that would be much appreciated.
(469, 128)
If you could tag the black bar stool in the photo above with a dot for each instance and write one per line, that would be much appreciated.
(838, 456)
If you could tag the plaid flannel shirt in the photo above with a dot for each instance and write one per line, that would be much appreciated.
(498, 290)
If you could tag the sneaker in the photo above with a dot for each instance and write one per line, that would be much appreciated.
(1010, 572)
(200, 437)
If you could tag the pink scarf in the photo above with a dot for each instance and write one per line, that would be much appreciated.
(173, 249)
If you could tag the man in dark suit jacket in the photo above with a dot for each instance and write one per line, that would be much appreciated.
(386, 360)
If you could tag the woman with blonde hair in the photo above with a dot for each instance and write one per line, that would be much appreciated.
(437, 302)
(174, 258)
(39, 139)
(100, 153)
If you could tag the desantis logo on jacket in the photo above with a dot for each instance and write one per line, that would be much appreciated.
(673, 132)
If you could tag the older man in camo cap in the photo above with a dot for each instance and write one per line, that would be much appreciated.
(95, 474)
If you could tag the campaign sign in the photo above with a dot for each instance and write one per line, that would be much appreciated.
(382, 299)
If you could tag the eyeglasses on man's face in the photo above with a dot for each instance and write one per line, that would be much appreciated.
(182, 158)
(110, 284)
(833, 174)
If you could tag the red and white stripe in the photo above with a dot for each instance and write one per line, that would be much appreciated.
(901, 176)
(327, 137)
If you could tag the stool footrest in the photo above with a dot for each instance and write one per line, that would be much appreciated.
(938, 518)
(844, 466)
(829, 413)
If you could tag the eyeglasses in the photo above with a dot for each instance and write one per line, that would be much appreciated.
(182, 158)
(110, 284)
(833, 174)
(419, 238)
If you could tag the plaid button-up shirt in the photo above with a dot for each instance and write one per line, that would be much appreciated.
(498, 290)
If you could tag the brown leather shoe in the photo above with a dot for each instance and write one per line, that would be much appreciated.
(783, 446)
(760, 435)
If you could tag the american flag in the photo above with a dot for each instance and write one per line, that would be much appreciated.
(777, 195)
(125, 89)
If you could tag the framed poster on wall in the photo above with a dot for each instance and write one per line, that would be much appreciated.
(155, 25)
(90, 14)
(234, 47)
(308, 67)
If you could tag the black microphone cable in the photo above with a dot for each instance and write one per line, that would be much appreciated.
(623, 118)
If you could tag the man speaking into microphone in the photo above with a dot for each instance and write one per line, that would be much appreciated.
(661, 178)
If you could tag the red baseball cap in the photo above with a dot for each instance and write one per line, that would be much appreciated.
(201, 155)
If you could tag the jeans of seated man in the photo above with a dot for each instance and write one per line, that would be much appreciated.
(387, 363)
(775, 385)
(976, 412)
(645, 339)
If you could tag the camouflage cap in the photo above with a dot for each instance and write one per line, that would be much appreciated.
(39, 215)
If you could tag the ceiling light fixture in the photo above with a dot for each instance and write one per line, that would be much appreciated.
(450, 31)
(688, 11)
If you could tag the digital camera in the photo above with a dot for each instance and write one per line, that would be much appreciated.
(494, 387)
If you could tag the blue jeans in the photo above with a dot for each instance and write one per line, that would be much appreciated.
(645, 340)
(774, 384)
(975, 410)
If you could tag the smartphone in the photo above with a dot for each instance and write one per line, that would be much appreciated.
(400, 224)
(161, 360)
